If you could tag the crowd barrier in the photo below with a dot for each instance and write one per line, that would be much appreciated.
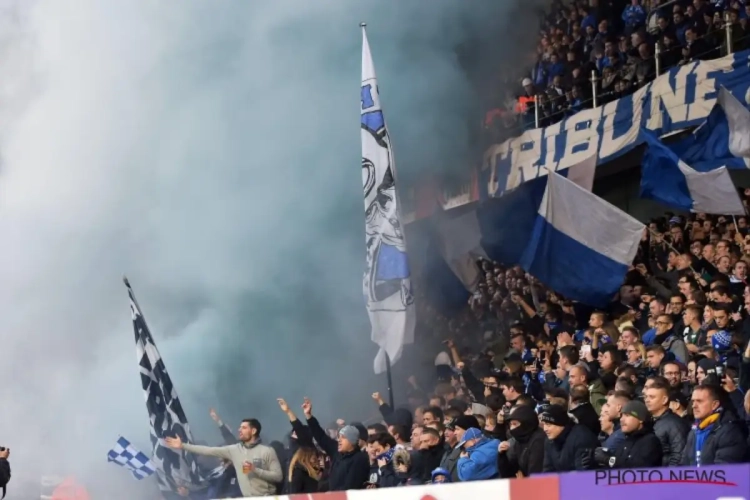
(731, 482)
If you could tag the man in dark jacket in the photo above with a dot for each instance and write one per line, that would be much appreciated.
(524, 452)
(569, 446)
(4, 469)
(671, 430)
(350, 468)
(428, 457)
(641, 447)
(717, 436)
(459, 426)
(581, 408)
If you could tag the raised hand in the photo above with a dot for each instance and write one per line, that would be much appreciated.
(174, 442)
(307, 407)
(282, 404)
(214, 416)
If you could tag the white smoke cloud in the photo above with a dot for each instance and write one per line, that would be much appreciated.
(210, 151)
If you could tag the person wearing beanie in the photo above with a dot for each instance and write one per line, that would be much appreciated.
(478, 459)
(350, 466)
(569, 446)
(524, 451)
(641, 447)
(441, 475)
(459, 426)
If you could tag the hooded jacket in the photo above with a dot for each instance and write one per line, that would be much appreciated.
(571, 450)
(526, 451)
(640, 449)
(672, 432)
(481, 462)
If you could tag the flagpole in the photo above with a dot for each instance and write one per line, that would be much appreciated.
(390, 380)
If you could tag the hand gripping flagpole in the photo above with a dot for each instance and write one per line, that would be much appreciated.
(387, 358)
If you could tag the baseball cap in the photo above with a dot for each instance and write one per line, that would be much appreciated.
(526, 81)
(470, 434)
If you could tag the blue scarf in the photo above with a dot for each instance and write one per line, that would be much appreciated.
(387, 455)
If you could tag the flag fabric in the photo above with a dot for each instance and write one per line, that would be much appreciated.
(387, 278)
(166, 416)
(460, 244)
(667, 179)
(126, 455)
(581, 246)
(722, 140)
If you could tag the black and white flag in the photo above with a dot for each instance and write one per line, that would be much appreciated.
(166, 416)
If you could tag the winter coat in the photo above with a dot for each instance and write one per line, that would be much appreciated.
(571, 450)
(525, 457)
(725, 443)
(349, 471)
(672, 431)
(481, 462)
(640, 449)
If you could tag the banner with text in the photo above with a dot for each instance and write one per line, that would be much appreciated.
(677, 100)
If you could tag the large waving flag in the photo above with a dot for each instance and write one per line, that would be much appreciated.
(581, 246)
(722, 140)
(669, 180)
(166, 416)
(387, 280)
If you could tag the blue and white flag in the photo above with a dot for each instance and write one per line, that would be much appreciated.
(581, 246)
(166, 416)
(126, 455)
(722, 140)
(669, 180)
(387, 279)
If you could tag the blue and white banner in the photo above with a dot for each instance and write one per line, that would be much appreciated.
(124, 454)
(678, 99)
(669, 180)
(387, 279)
(580, 246)
(723, 140)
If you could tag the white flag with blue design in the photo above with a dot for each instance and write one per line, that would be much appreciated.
(126, 455)
(387, 283)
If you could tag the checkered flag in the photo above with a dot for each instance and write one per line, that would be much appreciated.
(166, 416)
(127, 456)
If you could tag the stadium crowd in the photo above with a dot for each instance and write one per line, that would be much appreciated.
(619, 44)
(532, 383)
(526, 381)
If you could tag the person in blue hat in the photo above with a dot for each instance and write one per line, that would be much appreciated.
(479, 456)
(441, 475)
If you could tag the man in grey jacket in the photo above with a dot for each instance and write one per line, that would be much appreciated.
(257, 466)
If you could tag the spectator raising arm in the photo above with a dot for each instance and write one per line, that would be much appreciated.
(176, 443)
(226, 433)
(304, 438)
(328, 444)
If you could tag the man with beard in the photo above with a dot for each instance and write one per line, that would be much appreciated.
(524, 452)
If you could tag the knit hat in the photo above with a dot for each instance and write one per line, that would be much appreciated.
(707, 365)
(465, 422)
(555, 415)
(350, 433)
(721, 340)
(638, 410)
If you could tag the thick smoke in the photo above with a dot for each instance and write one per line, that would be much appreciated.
(211, 153)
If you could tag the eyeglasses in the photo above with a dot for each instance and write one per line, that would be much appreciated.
(663, 323)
